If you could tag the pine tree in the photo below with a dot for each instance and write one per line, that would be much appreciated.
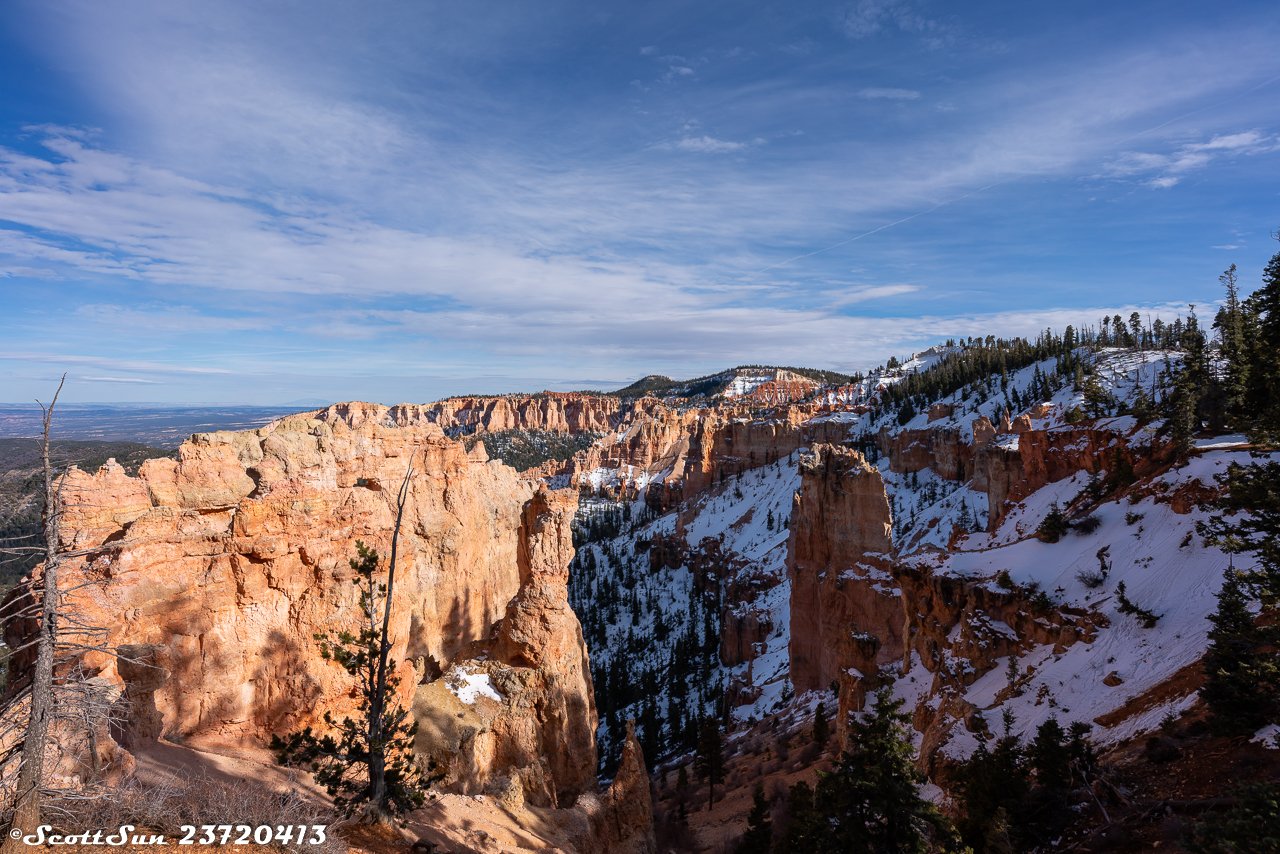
(821, 730)
(872, 801)
(708, 759)
(1054, 524)
(1250, 524)
(804, 832)
(1049, 757)
(991, 788)
(1230, 324)
(1241, 679)
(1263, 342)
(759, 836)
(1252, 826)
(370, 765)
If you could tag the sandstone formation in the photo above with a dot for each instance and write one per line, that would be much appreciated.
(855, 611)
(542, 729)
(679, 452)
(569, 413)
(234, 555)
(210, 574)
(840, 531)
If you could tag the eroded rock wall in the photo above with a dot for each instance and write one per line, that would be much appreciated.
(855, 611)
(569, 413)
(231, 557)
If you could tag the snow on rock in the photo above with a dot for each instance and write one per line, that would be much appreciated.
(469, 685)
(1268, 736)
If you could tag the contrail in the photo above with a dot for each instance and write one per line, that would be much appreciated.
(1200, 110)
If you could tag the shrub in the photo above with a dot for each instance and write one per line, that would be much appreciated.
(195, 801)
(1004, 581)
(1090, 578)
(1087, 525)
(1132, 518)
(1126, 607)
(1041, 602)
(1247, 827)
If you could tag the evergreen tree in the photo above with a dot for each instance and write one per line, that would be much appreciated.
(1230, 324)
(1263, 342)
(708, 759)
(1241, 676)
(821, 730)
(1250, 524)
(991, 788)
(369, 766)
(759, 836)
(804, 832)
(1049, 757)
(872, 802)
(1252, 826)
(1053, 525)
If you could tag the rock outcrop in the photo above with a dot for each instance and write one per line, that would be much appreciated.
(234, 555)
(540, 727)
(855, 611)
(568, 413)
(841, 531)
(680, 452)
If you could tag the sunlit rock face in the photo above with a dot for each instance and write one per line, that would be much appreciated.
(234, 555)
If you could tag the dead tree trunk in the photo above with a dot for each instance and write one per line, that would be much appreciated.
(26, 816)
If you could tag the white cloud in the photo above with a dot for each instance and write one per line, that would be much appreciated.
(869, 17)
(708, 144)
(891, 94)
(1188, 157)
(1228, 246)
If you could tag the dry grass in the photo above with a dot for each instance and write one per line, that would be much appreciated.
(195, 801)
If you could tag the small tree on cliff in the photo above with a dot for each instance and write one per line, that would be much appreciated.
(368, 764)
(708, 759)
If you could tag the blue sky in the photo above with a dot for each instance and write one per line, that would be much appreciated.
(257, 202)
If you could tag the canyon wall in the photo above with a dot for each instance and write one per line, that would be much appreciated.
(855, 611)
(569, 413)
(212, 573)
(680, 452)
(231, 557)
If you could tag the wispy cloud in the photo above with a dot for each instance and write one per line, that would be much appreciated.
(868, 17)
(1189, 157)
(477, 192)
(709, 144)
(891, 94)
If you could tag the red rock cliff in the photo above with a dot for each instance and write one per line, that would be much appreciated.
(232, 556)
(570, 413)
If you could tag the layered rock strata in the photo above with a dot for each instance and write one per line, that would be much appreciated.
(856, 614)
(232, 556)
(568, 413)
(538, 720)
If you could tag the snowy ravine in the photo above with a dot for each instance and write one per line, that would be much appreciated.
(654, 631)
(663, 601)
